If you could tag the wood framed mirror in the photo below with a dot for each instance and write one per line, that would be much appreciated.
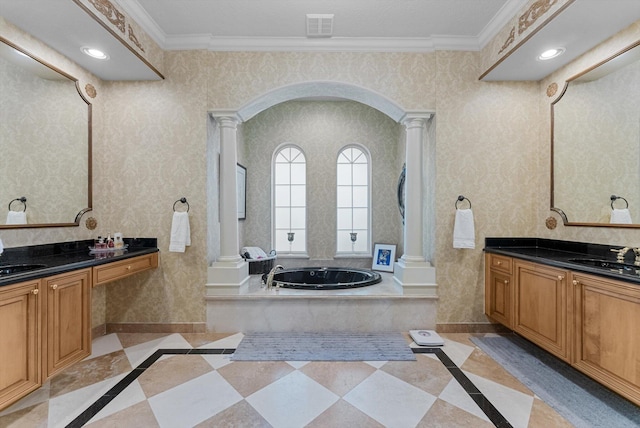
(595, 143)
(45, 142)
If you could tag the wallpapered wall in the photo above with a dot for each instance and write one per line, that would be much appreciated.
(492, 145)
(321, 129)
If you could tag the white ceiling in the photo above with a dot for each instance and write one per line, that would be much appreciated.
(359, 25)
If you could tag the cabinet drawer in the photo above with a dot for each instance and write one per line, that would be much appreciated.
(118, 270)
(501, 263)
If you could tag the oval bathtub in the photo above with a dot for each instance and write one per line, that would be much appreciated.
(324, 278)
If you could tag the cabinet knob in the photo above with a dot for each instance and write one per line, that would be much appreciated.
(560, 277)
(576, 282)
(506, 282)
(54, 286)
(499, 263)
(129, 267)
(35, 291)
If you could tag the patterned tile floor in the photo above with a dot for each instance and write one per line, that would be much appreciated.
(206, 389)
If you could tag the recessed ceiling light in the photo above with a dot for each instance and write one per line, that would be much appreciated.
(550, 53)
(94, 53)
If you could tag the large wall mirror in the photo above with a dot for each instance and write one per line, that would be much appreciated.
(45, 143)
(595, 144)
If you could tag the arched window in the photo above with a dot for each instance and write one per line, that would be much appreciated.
(353, 202)
(289, 201)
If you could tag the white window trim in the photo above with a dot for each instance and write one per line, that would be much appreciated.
(298, 254)
(368, 252)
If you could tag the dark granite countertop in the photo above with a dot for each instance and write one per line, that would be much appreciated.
(67, 256)
(562, 254)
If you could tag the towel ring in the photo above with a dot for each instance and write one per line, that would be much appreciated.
(462, 198)
(614, 198)
(22, 199)
(183, 200)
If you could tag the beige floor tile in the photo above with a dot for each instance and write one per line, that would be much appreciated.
(197, 340)
(425, 373)
(464, 338)
(168, 373)
(249, 377)
(542, 415)
(137, 416)
(483, 365)
(132, 339)
(240, 415)
(444, 415)
(343, 414)
(338, 377)
(33, 417)
(88, 372)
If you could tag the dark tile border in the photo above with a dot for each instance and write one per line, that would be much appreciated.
(492, 413)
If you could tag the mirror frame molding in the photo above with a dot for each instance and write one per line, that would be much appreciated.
(565, 220)
(89, 207)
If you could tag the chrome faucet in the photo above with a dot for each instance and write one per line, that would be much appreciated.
(622, 252)
(272, 272)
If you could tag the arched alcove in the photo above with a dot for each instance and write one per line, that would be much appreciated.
(414, 272)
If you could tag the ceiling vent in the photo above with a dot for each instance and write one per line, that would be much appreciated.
(319, 25)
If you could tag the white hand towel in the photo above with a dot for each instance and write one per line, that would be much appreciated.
(17, 217)
(621, 216)
(180, 232)
(464, 230)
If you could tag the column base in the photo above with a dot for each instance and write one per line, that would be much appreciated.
(416, 278)
(226, 278)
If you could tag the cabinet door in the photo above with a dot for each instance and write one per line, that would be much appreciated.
(19, 341)
(607, 344)
(68, 321)
(541, 306)
(498, 297)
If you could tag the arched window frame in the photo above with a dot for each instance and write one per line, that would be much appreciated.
(297, 247)
(362, 246)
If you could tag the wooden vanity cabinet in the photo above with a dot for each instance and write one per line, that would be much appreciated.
(498, 288)
(20, 317)
(67, 320)
(606, 339)
(117, 270)
(541, 306)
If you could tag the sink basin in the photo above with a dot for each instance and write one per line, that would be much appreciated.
(606, 264)
(17, 268)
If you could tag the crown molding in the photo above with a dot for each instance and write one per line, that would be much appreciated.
(333, 44)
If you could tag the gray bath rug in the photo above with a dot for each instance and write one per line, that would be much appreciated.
(581, 400)
(292, 346)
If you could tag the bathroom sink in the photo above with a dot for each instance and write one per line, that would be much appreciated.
(606, 264)
(17, 268)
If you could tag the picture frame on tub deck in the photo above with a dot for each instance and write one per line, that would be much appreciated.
(384, 256)
(241, 191)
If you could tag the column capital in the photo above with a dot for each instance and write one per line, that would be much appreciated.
(417, 119)
(226, 117)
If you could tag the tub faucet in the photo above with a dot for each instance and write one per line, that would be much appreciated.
(272, 272)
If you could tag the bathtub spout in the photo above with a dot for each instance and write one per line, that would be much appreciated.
(272, 272)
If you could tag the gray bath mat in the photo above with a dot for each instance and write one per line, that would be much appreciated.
(581, 400)
(292, 346)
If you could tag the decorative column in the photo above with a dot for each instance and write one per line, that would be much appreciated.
(229, 271)
(412, 271)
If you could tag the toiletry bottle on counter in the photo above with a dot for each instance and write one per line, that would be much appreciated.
(110, 243)
(118, 242)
